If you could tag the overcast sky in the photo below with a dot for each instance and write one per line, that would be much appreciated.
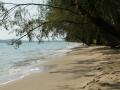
(5, 34)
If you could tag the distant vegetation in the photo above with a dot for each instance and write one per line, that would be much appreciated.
(89, 21)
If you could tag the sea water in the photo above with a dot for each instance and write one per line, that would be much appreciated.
(16, 63)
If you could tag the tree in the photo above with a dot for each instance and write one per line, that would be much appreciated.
(92, 9)
(89, 21)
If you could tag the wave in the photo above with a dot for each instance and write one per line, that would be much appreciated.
(32, 62)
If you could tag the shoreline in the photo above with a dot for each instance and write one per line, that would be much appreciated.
(44, 65)
(40, 66)
(86, 65)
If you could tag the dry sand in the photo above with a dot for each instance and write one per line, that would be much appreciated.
(92, 68)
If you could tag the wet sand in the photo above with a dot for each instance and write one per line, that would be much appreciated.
(89, 68)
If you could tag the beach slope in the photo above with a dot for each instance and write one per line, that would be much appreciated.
(91, 68)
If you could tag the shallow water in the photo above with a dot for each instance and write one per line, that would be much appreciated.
(16, 63)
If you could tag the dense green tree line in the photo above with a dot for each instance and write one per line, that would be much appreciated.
(89, 21)
(98, 20)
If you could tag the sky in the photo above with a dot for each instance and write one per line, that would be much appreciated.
(5, 34)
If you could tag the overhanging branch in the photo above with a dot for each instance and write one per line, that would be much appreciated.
(35, 4)
(43, 23)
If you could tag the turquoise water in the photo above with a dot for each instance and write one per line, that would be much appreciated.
(16, 63)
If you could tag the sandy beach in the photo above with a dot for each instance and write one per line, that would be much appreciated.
(89, 68)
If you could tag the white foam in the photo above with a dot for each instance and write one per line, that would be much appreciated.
(67, 49)
(17, 73)
(35, 69)
(73, 45)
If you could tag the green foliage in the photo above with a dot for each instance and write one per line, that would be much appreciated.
(86, 31)
(76, 20)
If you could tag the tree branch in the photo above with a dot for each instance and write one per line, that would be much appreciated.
(35, 4)
(66, 21)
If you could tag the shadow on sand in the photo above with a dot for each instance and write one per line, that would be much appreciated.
(114, 86)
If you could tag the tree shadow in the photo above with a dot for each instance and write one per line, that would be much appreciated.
(114, 86)
(81, 68)
(66, 87)
(111, 52)
(106, 50)
(88, 61)
(101, 48)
